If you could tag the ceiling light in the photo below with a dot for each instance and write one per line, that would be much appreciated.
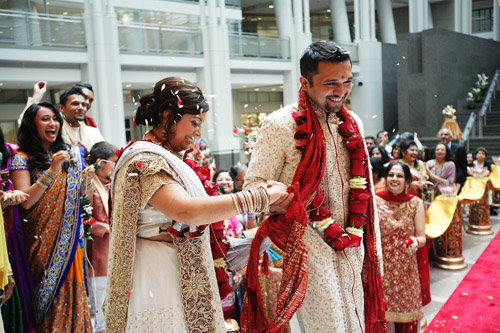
(328, 10)
(271, 6)
(256, 89)
(1, 84)
(65, 13)
(243, 86)
(128, 85)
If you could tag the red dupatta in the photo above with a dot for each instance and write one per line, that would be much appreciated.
(287, 230)
(401, 197)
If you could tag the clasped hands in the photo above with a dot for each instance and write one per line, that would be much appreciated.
(14, 197)
(281, 203)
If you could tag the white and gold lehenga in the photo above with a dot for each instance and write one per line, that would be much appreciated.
(156, 286)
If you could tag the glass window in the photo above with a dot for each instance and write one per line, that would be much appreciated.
(482, 20)
(9, 129)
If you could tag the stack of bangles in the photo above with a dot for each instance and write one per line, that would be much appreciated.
(251, 201)
(46, 179)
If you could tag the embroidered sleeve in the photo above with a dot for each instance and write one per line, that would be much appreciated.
(19, 162)
(154, 172)
(274, 156)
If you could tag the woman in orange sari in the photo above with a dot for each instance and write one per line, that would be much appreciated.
(49, 171)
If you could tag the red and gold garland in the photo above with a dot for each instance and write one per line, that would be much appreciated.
(360, 194)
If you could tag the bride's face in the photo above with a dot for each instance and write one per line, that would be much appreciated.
(185, 131)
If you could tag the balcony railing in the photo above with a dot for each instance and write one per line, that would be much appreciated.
(258, 46)
(31, 30)
(229, 3)
(160, 39)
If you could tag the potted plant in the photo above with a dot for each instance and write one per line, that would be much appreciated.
(471, 103)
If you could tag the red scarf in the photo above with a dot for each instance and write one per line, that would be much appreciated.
(287, 230)
(401, 197)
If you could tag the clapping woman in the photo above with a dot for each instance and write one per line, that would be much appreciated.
(50, 171)
(402, 224)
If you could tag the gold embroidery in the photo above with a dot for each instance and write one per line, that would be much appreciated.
(140, 179)
(334, 283)
(122, 248)
(400, 283)
(196, 291)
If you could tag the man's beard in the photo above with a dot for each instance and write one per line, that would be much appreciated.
(328, 109)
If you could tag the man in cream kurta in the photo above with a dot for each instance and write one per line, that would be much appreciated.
(74, 131)
(334, 296)
(73, 106)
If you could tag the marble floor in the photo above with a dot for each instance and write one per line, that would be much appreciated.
(443, 282)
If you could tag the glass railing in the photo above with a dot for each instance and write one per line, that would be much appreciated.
(229, 3)
(151, 38)
(351, 47)
(353, 50)
(32, 30)
(258, 46)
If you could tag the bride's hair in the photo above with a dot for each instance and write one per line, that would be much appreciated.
(175, 95)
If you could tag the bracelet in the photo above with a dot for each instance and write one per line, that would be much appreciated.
(87, 184)
(251, 201)
(46, 179)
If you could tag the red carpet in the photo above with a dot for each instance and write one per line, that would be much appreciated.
(475, 305)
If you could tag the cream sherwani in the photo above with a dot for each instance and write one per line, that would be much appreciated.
(86, 135)
(334, 298)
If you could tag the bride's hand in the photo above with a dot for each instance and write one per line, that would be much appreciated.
(278, 194)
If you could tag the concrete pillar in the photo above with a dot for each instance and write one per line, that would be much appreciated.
(386, 22)
(220, 118)
(104, 71)
(367, 20)
(357, 23)
(372, 20)
(430, 21)
(25, 31)
(283, 13)
(463, 16)
(291, 78)
(496, 20)
(367, 100)
(418, 12)
(307, 17)
(340, 21)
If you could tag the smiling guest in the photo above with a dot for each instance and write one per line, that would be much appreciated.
(52, 215)
(441, 170)
(402, 227)
(73, 105)
(409, 153)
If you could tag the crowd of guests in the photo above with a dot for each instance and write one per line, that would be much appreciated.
(407, 176)
(62, 169)
(55, 193)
